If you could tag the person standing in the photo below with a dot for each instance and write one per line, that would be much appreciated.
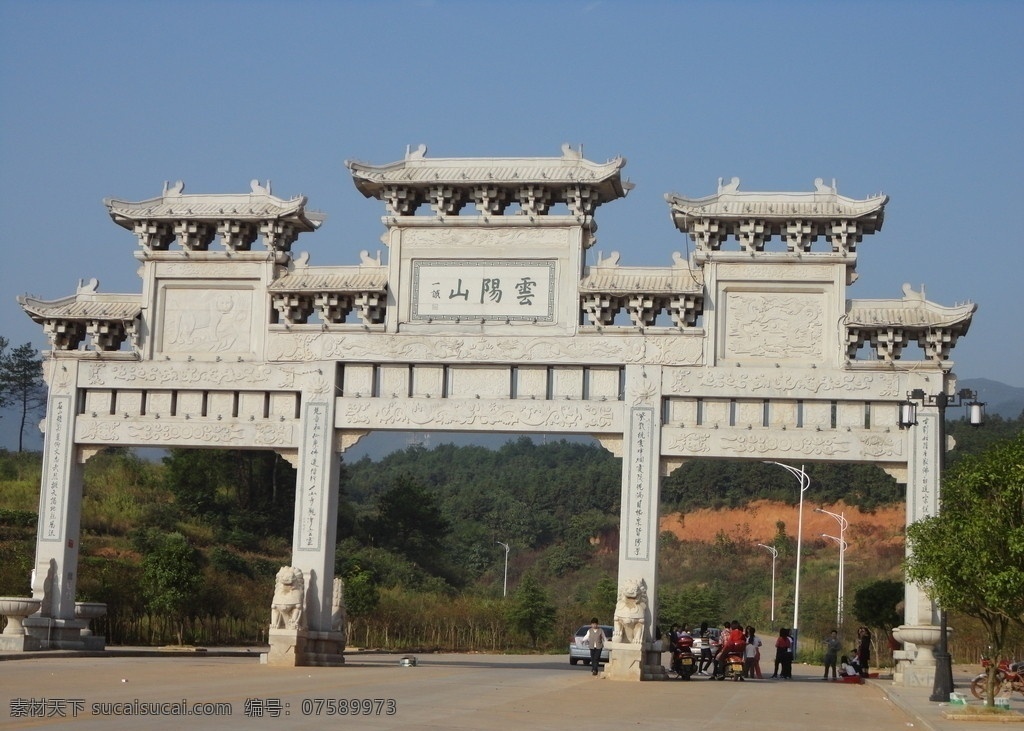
(750, 654)
(595, 640)
(706, 655)
(831, 653)
(864, 650)
(783, 655)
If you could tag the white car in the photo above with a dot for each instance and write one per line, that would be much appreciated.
(579, 648)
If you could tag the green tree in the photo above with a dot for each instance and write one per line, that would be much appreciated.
(531, 610)
(171, 578)
(409, 521)
(875, 605)
(21, 376)
(970, 557)
(4, 395)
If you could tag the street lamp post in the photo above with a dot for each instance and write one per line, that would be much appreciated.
(839, 592)
(805, 482)
(504, 590)
(943, 684)
(775, 554)
(841, 541)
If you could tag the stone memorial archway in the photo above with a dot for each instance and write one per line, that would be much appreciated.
(485, 316)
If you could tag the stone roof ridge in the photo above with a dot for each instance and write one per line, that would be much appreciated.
(173, 202)
(911, 309)
(569, 167)
(824, 200)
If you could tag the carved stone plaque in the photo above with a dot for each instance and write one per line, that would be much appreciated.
(213, 320)
(484, 289)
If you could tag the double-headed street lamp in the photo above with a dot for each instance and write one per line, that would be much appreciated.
(805, 482)
(775, 554)
(841, 542)
(943, 684)
(839, 594)
(504, 590)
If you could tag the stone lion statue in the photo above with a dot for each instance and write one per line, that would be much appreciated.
(338, 619)
(289, 595)
(630, 612)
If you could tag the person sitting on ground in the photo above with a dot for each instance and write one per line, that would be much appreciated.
(846, 669)
(855, 661)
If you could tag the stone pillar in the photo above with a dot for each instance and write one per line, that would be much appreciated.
(60, 508)
(924, 467)
(315, 533)
(638, 531)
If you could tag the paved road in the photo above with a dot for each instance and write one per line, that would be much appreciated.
(449, 692)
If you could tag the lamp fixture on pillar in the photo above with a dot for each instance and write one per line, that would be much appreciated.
(943, 685)
(840, 518)
(805, 482)
(775, 554)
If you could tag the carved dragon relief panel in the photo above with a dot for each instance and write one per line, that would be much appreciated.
(181, 432)
(465, 414)
(840, 446)
(768, 272)
(775, 326)
(196, 375)
(767, 383)
(670, 349)
(481, 237)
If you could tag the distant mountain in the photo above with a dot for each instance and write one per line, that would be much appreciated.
(999, 398)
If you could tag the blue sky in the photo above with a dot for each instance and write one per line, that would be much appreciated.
(921, 100)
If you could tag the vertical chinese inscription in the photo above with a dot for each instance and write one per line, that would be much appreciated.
(55, 468)
(638, 534)
(315, 470)
(924, 496)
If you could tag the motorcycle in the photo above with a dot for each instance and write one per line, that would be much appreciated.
(1009, 677)
(684, 664)
(732, 666)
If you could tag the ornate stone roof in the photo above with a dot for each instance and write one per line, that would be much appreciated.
(109, 319)
(608, 276)
(913, 310)
(492, 182)
(85, 305)
(176, 205)
(890, 324)
(755, 217)
(333, 279)
(824, 202)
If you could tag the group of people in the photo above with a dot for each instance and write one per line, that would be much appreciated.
(855, 663)
(732, 639)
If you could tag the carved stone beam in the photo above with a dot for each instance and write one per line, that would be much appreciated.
(685, 309)
(800, 235)
(535, 200)
(278, 235)
(445, 199)
(194, 235)
(855, 338)
(581, 199)
(601, 309)
(293, 309)
(372, 306)
(937, 342)
(401, 200)
(707, 234)
(844, 236)
(643, 309)
(752, 235)
(154, 235)
(332, 306)
(889, 342)
(65, 334)
(237, 235)
(490, 199)
(106, 335)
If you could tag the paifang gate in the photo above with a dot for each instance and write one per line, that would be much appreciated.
(486, 317)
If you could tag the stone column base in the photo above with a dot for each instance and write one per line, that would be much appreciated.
(918, 676)
(304, 648)
(55, 634)
(19, 643)
(633, 662)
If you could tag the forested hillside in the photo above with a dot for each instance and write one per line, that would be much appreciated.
(420, 536)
